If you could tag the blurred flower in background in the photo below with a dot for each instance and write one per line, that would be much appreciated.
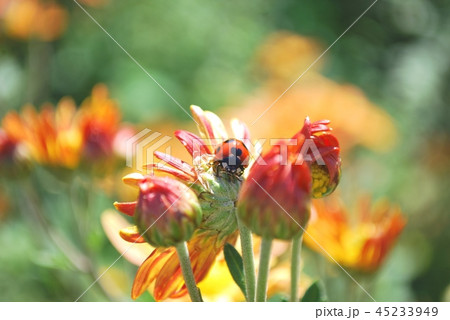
(8, 148)
(37, 19)
(51, 136)
(26, 19)
(360, 241)
(356, 120)
(99, 121)
(62, 135)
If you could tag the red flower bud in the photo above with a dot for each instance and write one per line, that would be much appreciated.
(274, 201)
(167, 211)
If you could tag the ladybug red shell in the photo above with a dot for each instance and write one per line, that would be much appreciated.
(232, 157)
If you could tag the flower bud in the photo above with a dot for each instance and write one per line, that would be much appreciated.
(274, 201)
(167, 211)
(275, 198)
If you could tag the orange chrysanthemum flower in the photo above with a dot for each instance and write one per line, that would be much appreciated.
(362, 243)
(99, 121)
(61, 135)
(51, 136)
(217, 195)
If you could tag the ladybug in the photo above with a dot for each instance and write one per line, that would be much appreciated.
(232, 157)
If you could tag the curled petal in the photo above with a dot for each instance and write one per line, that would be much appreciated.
(320, 126)
(310, 129)
(204, 127)
(131, 234)
(193, 143)
(172, 171)
(133, 179)
(219, 131)
(328, 147)
(209, 124)
(176, 163)
(126, 207)
(323, 121)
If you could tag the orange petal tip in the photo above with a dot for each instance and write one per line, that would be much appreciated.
(131, 234)
(133, 179)
(127, 208)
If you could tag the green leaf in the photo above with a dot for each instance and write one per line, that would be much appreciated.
(145, 297)
(314, 293)
(278, 297)
(235, 265)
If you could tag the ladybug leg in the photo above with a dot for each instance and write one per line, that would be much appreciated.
(216, 169)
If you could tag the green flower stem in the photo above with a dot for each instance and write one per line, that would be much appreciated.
(263, 272)
(247, 257)
(188, 275)
(295, 266)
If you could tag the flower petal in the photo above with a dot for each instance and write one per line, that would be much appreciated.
(176, 163)
(175, 172)
(149, 269)
(112, 222)
(203, 125)
(219, 131)
(193, 143)
(133, 179)
(328, 147)
(209, 124)
(131, 234)
(203, 249)
(126, 207)
(240, 130)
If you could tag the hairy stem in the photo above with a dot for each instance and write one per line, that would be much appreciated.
(295, 266)
(188, 275)
(263, 272)
(248, 260)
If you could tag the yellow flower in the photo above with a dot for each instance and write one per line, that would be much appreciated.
(362, 244)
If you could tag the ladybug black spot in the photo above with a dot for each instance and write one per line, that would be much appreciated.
(235, 151)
